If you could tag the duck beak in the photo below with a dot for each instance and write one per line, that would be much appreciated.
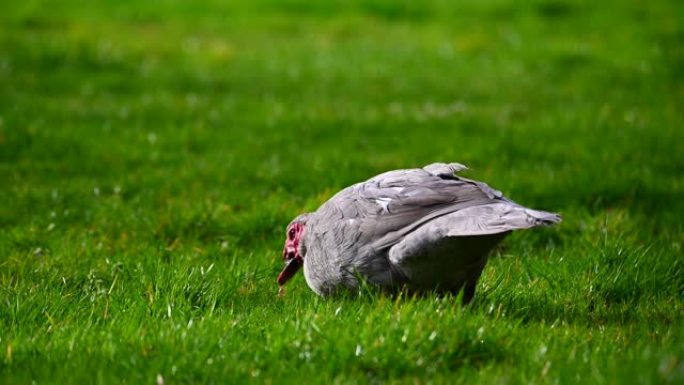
(291, 267)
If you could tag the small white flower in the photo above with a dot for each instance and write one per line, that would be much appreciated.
(542, 350)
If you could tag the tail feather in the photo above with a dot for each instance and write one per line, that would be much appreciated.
(493, 218)
(543, 218)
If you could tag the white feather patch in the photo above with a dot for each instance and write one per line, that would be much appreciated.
(384, 203)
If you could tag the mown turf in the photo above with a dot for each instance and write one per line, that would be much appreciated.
(152, 153)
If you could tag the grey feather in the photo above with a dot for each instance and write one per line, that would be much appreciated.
(444, 169)
(418, 228)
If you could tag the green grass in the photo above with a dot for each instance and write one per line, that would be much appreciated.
(152, 153)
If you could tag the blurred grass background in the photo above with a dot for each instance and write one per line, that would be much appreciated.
(151, 154)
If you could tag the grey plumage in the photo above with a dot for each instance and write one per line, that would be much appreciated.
(424, 228)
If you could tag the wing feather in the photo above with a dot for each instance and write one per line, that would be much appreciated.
(389, 206)
(392, 204)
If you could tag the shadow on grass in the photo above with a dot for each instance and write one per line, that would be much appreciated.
(555, 9)
(463, 354)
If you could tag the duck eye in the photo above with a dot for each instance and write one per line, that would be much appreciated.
(291, 234)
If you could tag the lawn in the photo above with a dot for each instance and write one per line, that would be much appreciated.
(152, 153)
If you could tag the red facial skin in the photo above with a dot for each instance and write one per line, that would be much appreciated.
(293, 260)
